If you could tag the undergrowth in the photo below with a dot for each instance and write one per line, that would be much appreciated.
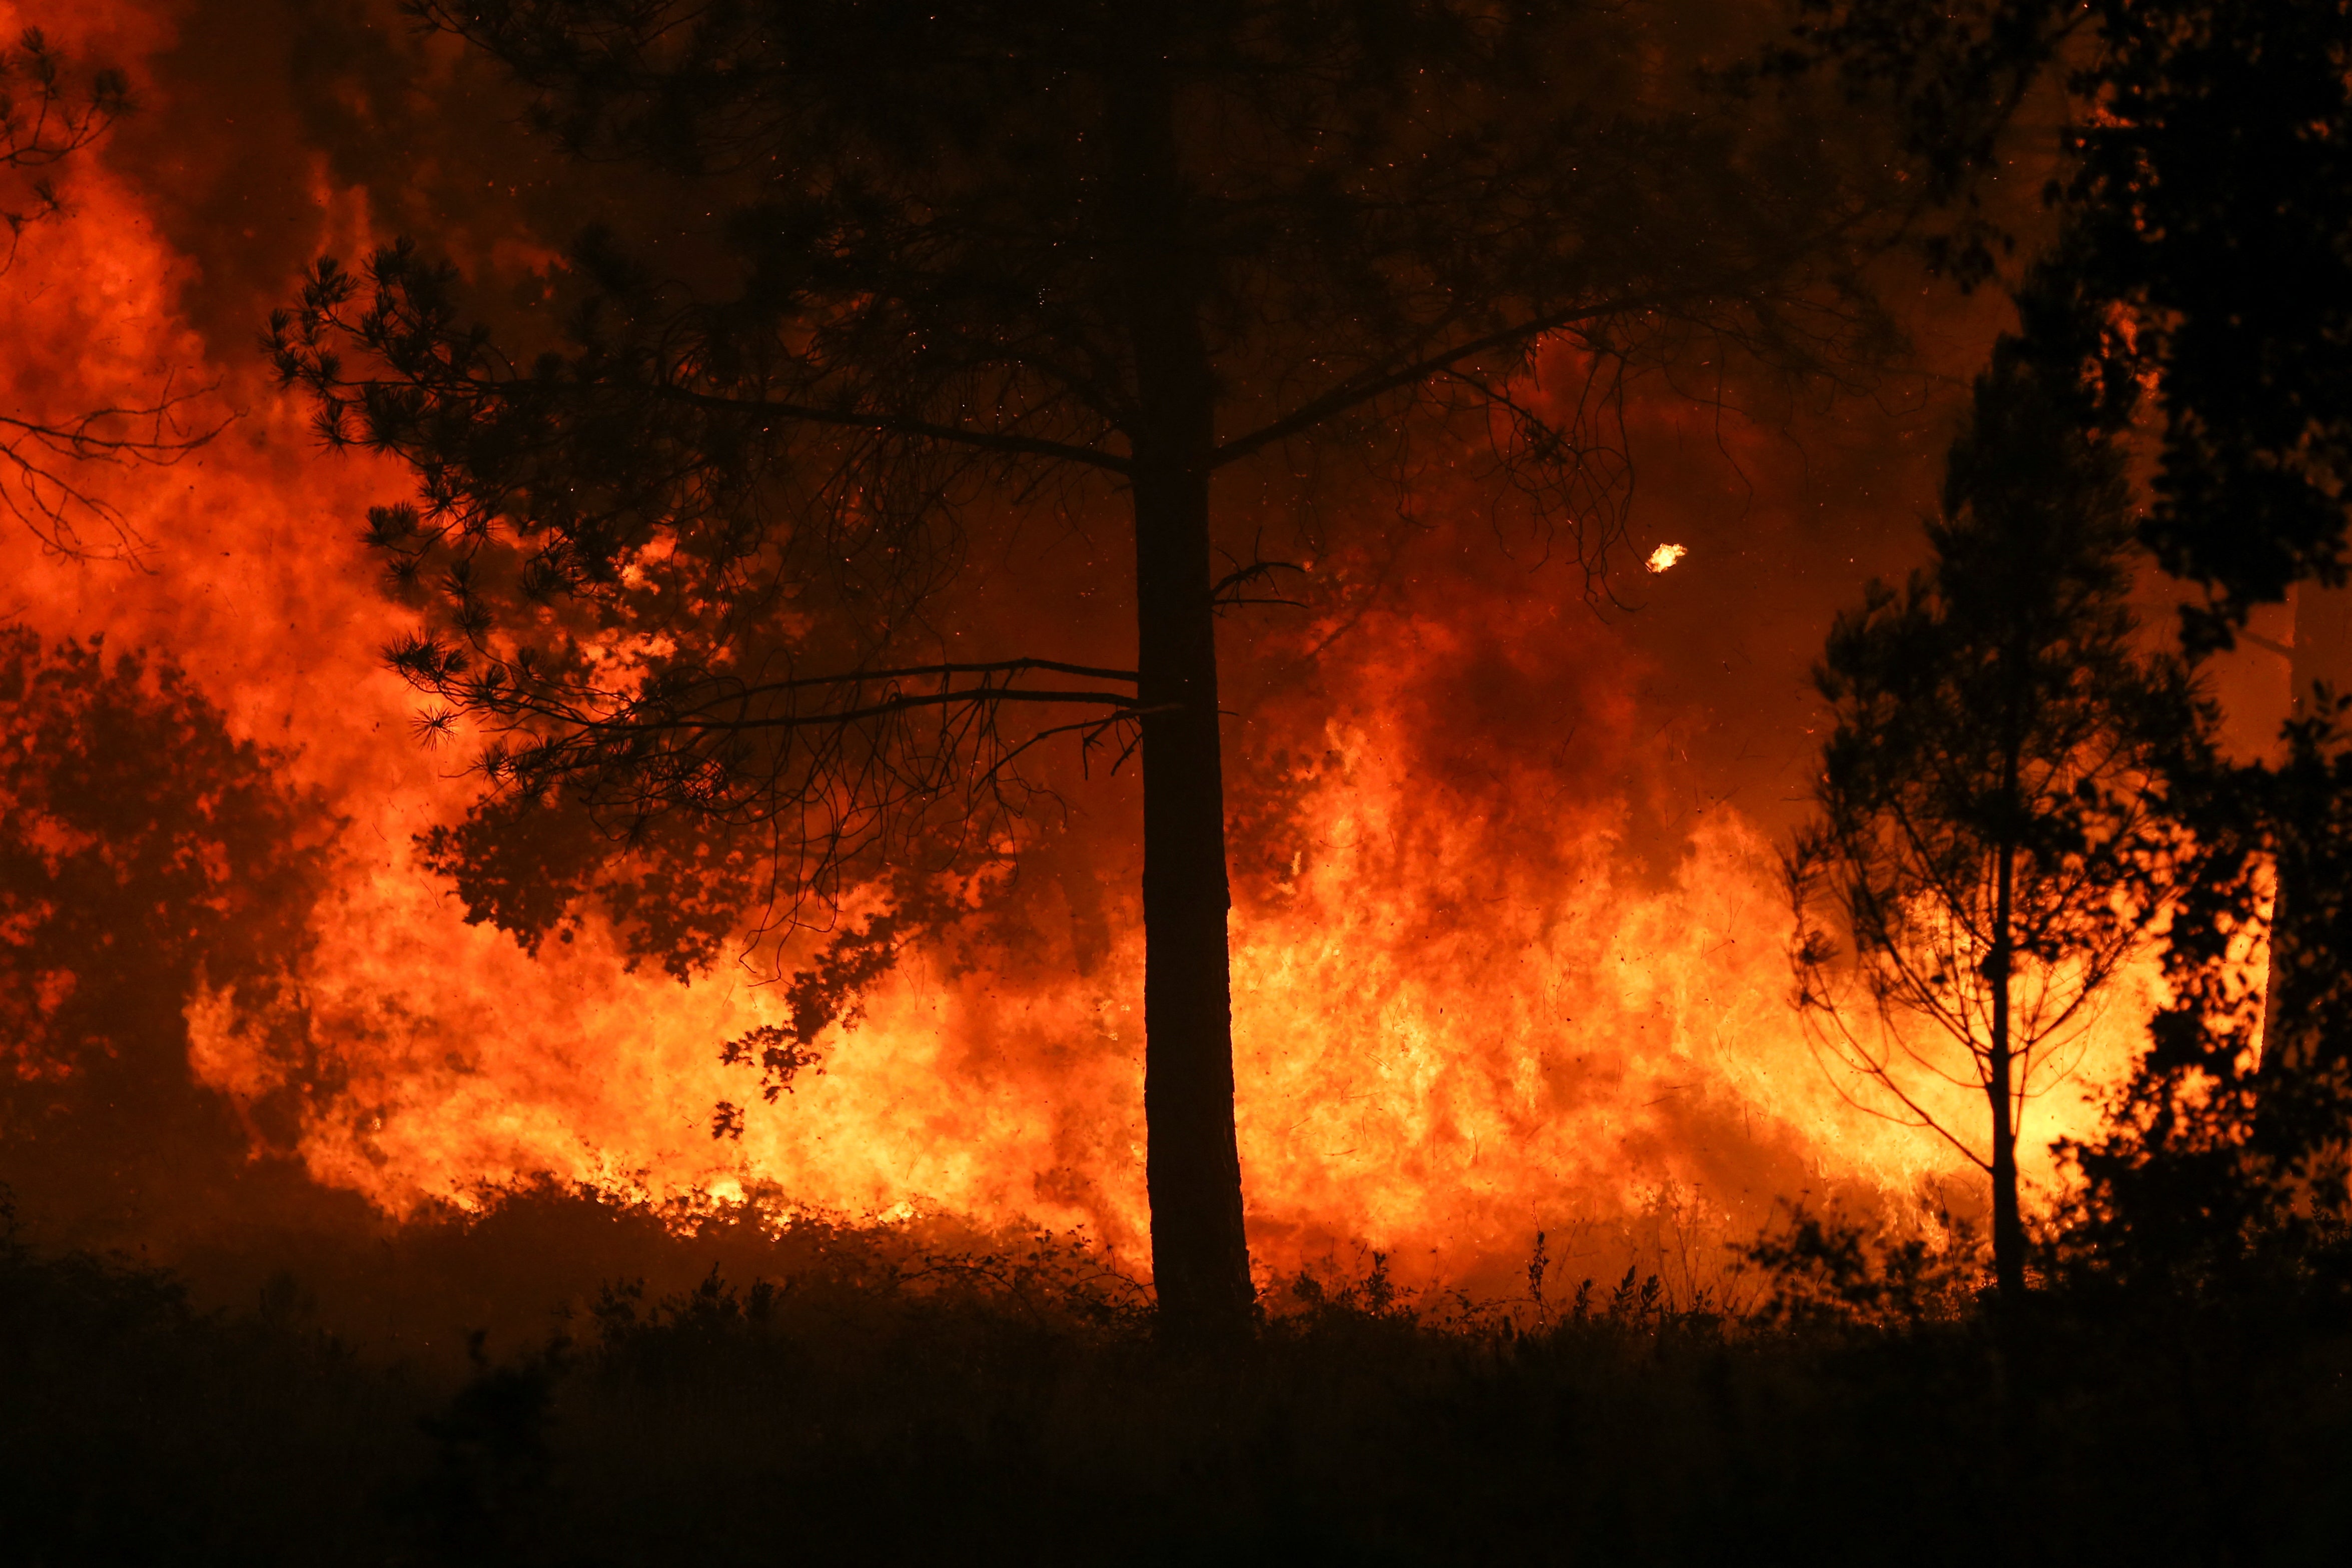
(867, 1402)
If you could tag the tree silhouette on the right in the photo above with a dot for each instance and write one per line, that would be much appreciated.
(1990, 824)
(2205, 195)
(2204, 186)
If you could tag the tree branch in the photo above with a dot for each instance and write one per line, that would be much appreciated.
(1364, 388)
(901, 425)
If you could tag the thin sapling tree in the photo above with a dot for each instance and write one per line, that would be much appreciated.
(1989, 801)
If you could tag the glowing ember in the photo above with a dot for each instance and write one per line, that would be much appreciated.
(1666, 555)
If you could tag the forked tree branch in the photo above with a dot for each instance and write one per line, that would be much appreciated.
(45, 469)
(1004, 442)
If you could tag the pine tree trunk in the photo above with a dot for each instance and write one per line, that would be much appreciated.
(1200, 1256)
(2007, 1223)
(1192, 1170)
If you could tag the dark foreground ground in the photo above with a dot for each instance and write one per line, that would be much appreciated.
(1011, 1407)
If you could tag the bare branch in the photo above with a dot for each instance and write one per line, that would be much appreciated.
(45, 469)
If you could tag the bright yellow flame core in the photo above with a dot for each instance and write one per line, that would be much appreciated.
(1666, 555)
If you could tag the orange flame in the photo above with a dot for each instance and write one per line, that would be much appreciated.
(1463, 1011)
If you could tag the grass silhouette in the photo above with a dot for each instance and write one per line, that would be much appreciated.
(870, 1401)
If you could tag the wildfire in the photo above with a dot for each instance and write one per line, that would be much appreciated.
(1465, 1009)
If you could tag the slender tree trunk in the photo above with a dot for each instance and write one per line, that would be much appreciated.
(2301, 673)
(2320, 652)
(1193, 1168)
(2008, 1226)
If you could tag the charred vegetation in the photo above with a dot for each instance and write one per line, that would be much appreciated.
(1010, 1405)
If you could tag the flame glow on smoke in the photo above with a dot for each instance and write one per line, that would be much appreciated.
(1478, 989)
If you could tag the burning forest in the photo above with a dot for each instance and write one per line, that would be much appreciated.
(1360, 782)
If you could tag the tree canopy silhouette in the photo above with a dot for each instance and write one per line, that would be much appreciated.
(2221, 1169)
(144, 851)
(977, 260)
(2202, 189)
(1992, 842)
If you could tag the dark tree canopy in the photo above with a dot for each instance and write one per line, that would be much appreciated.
(2211, 215)
(144, 851)
(2208, 229)
(2222, 1168)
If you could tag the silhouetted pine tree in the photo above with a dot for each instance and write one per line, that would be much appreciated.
(983, 258)
(1991, 846)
